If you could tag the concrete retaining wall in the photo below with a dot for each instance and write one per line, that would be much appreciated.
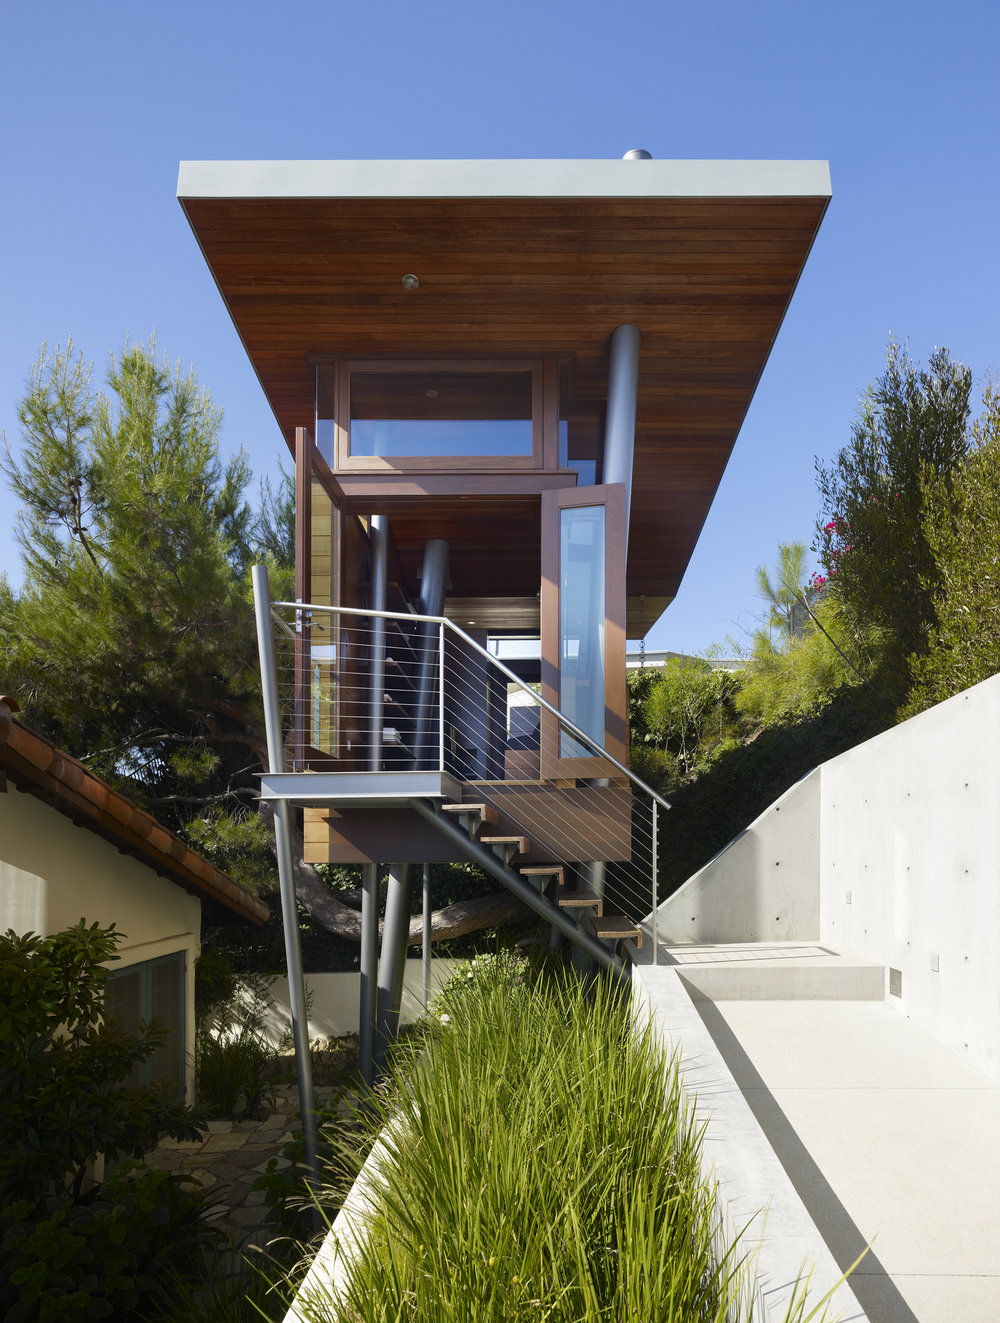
(890, 851)
(763, 887)
(910, 866)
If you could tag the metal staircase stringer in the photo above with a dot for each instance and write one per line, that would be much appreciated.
(491, 864)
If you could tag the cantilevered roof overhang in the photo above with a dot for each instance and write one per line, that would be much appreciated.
(527, 257)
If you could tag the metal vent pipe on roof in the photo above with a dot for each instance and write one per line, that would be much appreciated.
(638, 154)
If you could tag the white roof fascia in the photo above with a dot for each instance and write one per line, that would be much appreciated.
(503, 179)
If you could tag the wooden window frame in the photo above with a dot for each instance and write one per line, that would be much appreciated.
(544, 409)
(612, 497)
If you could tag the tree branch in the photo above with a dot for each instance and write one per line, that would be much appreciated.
(457, 920)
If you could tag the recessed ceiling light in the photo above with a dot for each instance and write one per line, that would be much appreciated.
(411, 281)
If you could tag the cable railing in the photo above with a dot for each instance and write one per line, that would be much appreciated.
(379, 691)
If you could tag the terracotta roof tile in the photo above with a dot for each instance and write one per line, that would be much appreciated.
(35, 765)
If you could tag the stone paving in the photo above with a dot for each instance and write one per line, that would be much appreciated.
(228, 1160)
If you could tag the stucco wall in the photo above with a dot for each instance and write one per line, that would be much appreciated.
(52, 874)
(335, 999)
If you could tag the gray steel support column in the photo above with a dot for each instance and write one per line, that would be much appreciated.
(369, 971)
(379, 543)
(426, 969)
(619, 424)
(368, 1004)
(396, 931)
(433, 587)
(392, 965)
(286, 871)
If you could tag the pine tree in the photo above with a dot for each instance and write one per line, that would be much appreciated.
(912, 426)
(132, 641)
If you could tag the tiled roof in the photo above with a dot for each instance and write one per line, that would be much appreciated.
(36, 766)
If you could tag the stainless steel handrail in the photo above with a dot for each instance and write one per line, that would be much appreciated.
(443, 621)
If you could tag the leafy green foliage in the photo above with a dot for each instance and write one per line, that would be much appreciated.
(105, 1256)
(132, 641)
(564, 1193)
(72, 1247)
(962, 530)
(214, 985)
(871, 535)
(802, 675)
(681, 714)
(230, 1069)
(786, 594)
(62, 1101)
(232, 1049)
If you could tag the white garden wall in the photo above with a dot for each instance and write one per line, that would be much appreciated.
(335, 999)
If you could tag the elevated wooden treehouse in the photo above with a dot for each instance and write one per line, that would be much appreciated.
(511, 389)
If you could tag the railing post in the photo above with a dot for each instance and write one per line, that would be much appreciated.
(426, 949)
(286, 872)
(656, 870)
(441, 697)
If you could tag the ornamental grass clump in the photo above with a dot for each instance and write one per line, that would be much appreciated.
(540, 1163)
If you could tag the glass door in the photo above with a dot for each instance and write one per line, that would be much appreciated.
(583, 627)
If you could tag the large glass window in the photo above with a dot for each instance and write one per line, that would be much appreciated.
(153, 990)
(408, 414)
(581, 625)
(453, 415)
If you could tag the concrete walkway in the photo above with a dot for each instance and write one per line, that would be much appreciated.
(888, 1137)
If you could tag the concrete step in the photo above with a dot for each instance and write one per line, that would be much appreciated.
(776, 971)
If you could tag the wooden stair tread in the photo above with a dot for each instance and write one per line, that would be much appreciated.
(545, 870)
(487, 813)
(521, 842)
(616, 925)
(582, 899)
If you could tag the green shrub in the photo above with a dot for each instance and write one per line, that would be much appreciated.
(540, 1165)
(962, 528)
(72, 1246)
(802, 676)
(214, 985)
(229, 1072)
(104, 1255)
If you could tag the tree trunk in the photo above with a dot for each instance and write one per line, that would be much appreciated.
(457, 920)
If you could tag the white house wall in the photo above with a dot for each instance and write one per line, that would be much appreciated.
(52, 874)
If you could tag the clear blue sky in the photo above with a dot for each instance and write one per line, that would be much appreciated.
(99, 102)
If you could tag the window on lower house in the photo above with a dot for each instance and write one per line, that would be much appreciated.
(153, 990)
